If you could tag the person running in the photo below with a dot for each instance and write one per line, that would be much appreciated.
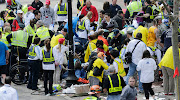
(147, 66)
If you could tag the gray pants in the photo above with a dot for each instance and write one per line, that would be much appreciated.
(168, 80)
(57, 74)
(93, 81)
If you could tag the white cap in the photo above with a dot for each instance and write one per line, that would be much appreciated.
(19, 11)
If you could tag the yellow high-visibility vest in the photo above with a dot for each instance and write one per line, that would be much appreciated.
(134, 6)
(62, 10)
(42, 33)
(115, 89)
(121, 70)
(48, 59)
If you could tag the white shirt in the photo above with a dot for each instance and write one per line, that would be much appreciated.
(1, 23)
(8, 93)
(60, 18)
(38, 52)
(147, 67)
(84, 34)
(138, 51)
(47, 66)
(59, 56)
(116, 64)
(27, 17)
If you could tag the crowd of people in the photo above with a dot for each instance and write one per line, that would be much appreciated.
(114, 48)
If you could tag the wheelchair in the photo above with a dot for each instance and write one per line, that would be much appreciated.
(18, 71)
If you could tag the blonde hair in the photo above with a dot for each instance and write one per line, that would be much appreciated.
(59, 47)
(7, 29)
(89, 14)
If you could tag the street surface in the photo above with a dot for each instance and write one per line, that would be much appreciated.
(25, 94)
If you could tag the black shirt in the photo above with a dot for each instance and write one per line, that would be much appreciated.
(149, 10)
(37, 5)
(115, 83)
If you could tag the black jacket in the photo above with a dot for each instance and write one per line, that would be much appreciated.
(118, 19)
(37, 5)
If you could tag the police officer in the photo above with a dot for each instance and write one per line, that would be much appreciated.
(20, 42)
(113, 84)
(132, 9)
(42, 32)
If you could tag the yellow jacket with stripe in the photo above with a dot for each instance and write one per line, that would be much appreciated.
(143, 31)
(91, 47)
(167, 60)
(99, 63)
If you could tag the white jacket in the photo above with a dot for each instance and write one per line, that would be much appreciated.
(147, 67)
(59, 56)
(8, 93)
(27, 17)
(138, 51)
(38, 52)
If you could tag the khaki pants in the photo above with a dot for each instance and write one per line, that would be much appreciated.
(168, 80)
(57, 74)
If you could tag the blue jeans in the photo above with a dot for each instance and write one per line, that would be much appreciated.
(132, 69)
(114, 97)
(82, 41)
(79, 73)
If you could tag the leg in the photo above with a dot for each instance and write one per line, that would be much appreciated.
(151, 90)
(45, 81)
(57, 75)
(30, 75)
(132, 69)
(165, 80)
(83, 73)
(78, 73)
(35, 74)
(140, 84)
(146, 91)
(51, 72)
(3, 72)
(171, 80)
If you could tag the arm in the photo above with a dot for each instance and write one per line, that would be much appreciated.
(127, 15)
(53, 17)
(87, 25)
(87, 52)
(14, 25)
(9, 38)
(38, 52)
(115, 24)
(104, 65)
(124, 94)
(139, 66)
(7, 56)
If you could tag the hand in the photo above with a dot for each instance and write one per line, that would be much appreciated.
(7, 61)
(56, 63)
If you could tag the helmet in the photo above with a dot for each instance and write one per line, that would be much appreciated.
(95, 89)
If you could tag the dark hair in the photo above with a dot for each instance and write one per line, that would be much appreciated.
(8, 80)
(114, 53)
(108, 14)
(32, 23)
(81, 16)
(100, 32)
(47, 44)
(129, 33)
(126, 41)
(146, 54)
(148, 1)
(106, 5)
(0, 33)
(64, 29)
(36, 12)
(120, 12)
(102, 11)
(94, 36)
(36, 40)
(139, 36)
(2, 14)
(99, 44)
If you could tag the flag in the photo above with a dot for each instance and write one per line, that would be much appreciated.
(176, 72)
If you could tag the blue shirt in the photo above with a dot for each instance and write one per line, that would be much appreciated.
(74, 23)
(3, 49)
(114, 9)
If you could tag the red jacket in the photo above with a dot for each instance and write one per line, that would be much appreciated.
(84, 11)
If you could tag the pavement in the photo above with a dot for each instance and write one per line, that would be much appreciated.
(26, 94)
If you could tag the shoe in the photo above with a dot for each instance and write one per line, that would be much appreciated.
(80, 80)
(47, 94)
(52, 94)
(141, 91)
(36, 89)
(165, 93)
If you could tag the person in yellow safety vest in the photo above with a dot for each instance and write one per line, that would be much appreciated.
(143, 30)
(94, 93)
(7, 31)
(80, 4)
(9, 15)
(133, 8)
(60, 10)
(42, 32)
(57, 36)
(114, 84)
(97, 72)
(117, 63)
(92, 46)
(31, 29)
(15, 4)
(167, 66)
(101, 17)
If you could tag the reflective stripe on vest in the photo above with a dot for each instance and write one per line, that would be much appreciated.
(20, 38)
(111, 35)
(134, 6)
(121, 70)
(32, 53)
(162, 14)
(151, 16)
(48, 57)
(62, 10)
(81, 3)
(43, 33)
(14, 3)
(115, 89)
(120, 56)
(82, 25)
(90, 98)
(152, 48)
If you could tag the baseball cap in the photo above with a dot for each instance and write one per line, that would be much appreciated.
(19, 12)
(40, 22)
(61, 40)
(116, 31)
(47, 2)
(31, 8)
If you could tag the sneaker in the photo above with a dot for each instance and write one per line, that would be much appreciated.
(141, 91)
(48, 94)
(165, 93)
(80, 80)
(171, 94)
